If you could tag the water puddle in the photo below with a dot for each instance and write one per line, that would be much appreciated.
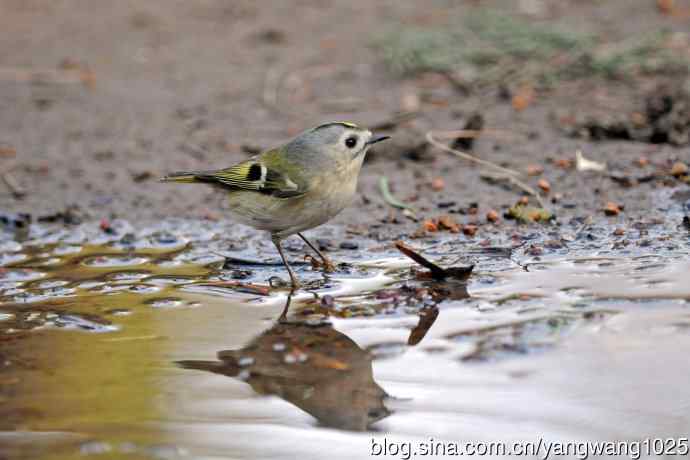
(163, 342)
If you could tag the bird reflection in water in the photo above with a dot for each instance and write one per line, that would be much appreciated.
(316, 368)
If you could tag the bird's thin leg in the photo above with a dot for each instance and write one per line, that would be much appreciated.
(293, 278)
(327, 264)
(283, 315)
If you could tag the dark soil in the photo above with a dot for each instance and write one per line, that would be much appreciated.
(100, 98)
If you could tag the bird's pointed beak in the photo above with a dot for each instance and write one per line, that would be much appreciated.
(376, 139)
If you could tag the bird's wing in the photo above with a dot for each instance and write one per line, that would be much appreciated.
(280, 179)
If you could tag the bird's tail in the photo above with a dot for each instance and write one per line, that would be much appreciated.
(186, 177)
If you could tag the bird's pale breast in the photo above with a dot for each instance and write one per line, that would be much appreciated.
(328, 194)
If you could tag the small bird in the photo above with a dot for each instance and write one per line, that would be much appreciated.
(295, 187)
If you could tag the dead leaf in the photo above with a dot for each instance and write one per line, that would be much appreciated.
(544, 185)
(446, 222)
(526, 214)
(583, 164)
(429, 226)
(492, 216)
(523, 97)
(679, 169)
(612, 209)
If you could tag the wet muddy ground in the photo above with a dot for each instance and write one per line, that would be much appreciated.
(137, 322)
(163, 342)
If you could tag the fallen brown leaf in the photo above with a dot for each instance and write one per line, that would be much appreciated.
(679, 169)
(523, 97)
(544, 185)
(430, 226)
(612, 209)
(492, 216)
(446, 222)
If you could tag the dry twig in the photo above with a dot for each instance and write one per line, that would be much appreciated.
(17, 191)
(430, 137)
(508, 174)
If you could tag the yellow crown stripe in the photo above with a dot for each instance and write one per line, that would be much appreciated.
(347, 124)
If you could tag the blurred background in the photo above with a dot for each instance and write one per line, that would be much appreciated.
(98, 99)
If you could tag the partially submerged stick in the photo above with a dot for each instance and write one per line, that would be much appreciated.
(438, 273)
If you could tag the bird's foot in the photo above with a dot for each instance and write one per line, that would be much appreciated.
(324, 264)
(328, 266)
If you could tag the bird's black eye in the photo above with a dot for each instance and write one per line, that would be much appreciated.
(350, 142)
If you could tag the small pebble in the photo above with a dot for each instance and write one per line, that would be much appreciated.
(327, 301)
(554, 244)
(349, 245)
(469, 229)
(534, 170)
(240, 274)
(324, 244)
(438, 184)
(534, 250)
